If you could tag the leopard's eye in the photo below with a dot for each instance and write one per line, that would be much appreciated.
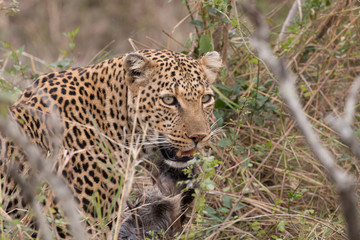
(206, 98)
(169, 100)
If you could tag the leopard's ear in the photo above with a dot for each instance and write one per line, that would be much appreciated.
(138, 70)
(211, 63)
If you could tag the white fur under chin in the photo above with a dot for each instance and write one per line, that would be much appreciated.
(177, 164)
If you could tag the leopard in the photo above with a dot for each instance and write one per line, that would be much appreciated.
(162, 98)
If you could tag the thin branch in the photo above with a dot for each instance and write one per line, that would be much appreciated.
(295, 9)
(343, 182)
(351, 102)
(343, 124)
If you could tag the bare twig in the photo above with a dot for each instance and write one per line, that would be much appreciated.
(351, 102)
(36, 160)
(332, 18)
(134, 44)
(295, 9)
(343, 124)
(342, 181)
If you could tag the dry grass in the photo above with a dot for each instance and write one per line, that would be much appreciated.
(282, 189)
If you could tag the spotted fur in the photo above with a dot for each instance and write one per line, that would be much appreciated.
(99, 106)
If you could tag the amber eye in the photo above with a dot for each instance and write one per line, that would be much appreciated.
(169, 100)
(206, 98)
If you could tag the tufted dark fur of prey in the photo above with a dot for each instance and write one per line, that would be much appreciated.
(164, 93)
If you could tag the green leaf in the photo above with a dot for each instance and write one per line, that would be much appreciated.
(197, 23)
(255, 226)
(344, 157)
(261, 232)
(238, 207)
(281, 226)
(76, 31)
(223, 210)
(5, 45)
(219, 117)
(72, 46)
(14, 55)
(224, 142)
(212, 11)
(224, 88)
(205, 44)
(21, 50)
(227, 201)
(208, 184)
(188, 43)
(200, 203)
(211, 213)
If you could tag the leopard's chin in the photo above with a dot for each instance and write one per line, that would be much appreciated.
(175, 164)
(176, 158)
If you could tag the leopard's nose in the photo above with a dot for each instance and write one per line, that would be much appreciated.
(197, 137)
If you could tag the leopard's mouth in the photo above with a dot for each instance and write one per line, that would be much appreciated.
(189, 153)
(173, 154)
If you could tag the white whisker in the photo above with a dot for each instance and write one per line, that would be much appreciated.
(213, 125)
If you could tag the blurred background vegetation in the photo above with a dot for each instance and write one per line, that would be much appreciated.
(260, 179)
(40, 24)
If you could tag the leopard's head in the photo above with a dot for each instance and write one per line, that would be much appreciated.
(172, 97)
